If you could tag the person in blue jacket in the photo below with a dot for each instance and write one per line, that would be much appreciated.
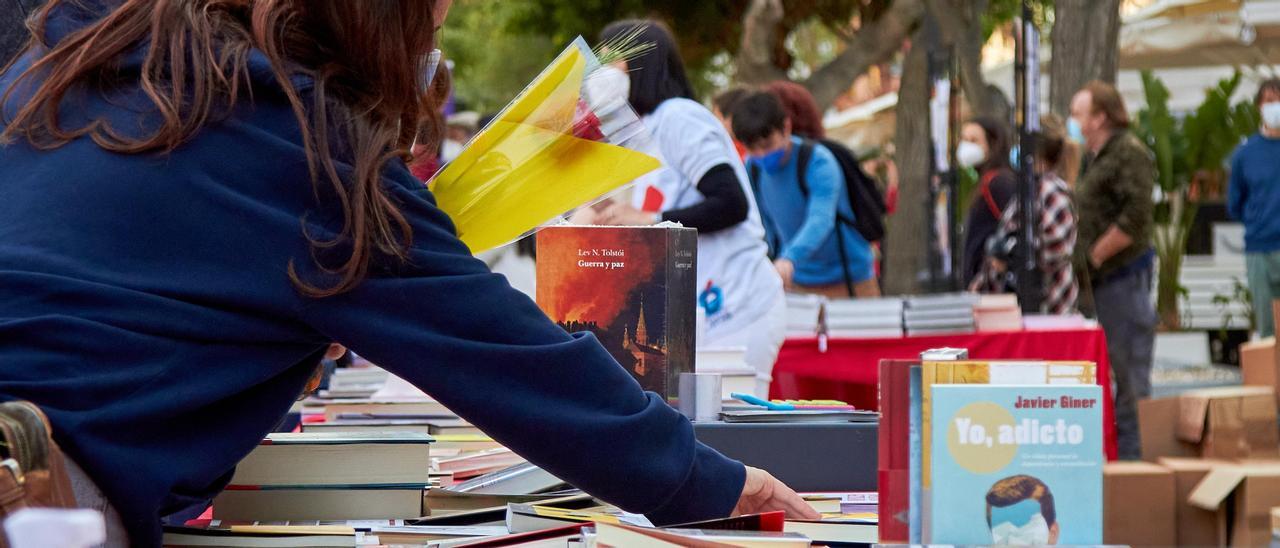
(1253, 198)
(808, 219)
(201, 196)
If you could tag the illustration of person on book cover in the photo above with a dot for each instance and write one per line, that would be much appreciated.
(1020, 511)
(1016, 465)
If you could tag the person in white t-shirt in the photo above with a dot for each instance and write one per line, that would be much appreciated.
(701, 184)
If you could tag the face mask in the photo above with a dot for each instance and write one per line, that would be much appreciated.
(970, 154)
(771, 161)
(1074, 131)
(1271, 114)
(606, 86)
(1034, 533)
(1020, 523)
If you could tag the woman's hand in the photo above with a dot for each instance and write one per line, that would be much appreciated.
(764, 493)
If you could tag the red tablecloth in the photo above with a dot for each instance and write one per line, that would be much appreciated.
(849, 369)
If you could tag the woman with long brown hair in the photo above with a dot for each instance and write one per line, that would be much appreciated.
(202, 195)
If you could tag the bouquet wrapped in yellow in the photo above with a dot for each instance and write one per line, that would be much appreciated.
(555, 148)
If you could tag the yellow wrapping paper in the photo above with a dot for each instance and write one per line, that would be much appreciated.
(527, 167)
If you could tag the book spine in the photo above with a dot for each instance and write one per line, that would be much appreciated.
(681, 303)
(892, 462)
(916, 495)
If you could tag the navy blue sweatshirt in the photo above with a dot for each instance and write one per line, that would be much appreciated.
(144, 305)
(1254, 194)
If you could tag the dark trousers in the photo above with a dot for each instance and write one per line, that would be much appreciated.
(1128, 317)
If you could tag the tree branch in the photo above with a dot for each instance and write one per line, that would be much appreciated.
(877, 41)
(961, 26)
(759, 36)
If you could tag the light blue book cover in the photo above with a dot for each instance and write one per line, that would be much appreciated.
(915, 430)
(1017, 465)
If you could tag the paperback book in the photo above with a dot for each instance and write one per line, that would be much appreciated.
(1023, 465)
(633, 287)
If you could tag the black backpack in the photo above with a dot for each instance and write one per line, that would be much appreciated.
(864, 197)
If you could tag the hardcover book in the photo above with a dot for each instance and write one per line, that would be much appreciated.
(1023, 465)
(633, 287)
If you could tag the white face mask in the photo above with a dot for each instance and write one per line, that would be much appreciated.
(607, 86)
(1271, 114)
(970, 154)
(1034, 533)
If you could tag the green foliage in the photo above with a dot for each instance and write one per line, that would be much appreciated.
(492, 65)
(1216, 128)
(1002, 12)
(1159, 129)
(1240, 293)
(1190, 156)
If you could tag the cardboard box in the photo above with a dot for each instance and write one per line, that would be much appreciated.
(1275, 522)
(1236, 422)
(1157, 424)
(1138, 505)
(1242, 497)
(1196, 526)
(1258, 364)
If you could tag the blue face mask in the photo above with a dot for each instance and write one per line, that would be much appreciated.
(1074, 132)
(433, 64)
(771, 161)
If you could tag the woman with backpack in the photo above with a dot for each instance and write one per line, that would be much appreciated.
(701, 184)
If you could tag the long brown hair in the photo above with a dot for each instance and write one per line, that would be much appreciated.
(367, 61)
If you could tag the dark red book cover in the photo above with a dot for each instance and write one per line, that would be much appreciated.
(767, 522)
(894, 462)
(633, 287)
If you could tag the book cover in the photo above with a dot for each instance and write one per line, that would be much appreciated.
(991, 372)
(1023, 465)
(893, 461)
(633, 287)
(917, 518)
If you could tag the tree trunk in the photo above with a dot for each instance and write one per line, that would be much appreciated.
(756, 63)
(1086, 35)
(960, 23)
(907, 242)
(874, 43)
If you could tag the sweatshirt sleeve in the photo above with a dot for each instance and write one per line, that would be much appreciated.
(1237, 193)
(824, 180)
(724, 204)
(463, 335)
(1135, 183)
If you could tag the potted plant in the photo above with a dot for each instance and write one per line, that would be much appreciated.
(1191, 156)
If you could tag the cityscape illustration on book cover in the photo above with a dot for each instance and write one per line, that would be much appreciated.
(633, 287)
(1017, 465)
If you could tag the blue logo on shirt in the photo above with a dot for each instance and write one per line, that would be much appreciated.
(711, 299)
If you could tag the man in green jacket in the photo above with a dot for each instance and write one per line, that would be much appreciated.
(1114, 200)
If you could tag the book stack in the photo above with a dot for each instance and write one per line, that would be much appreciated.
(998, 313)
(864, 318)
(353, 382)
(303, 476)
(1020, 442)
(803, 315)
(940, 314)
(731, 364)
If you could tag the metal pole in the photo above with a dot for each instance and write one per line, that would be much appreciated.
(1030, 279)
